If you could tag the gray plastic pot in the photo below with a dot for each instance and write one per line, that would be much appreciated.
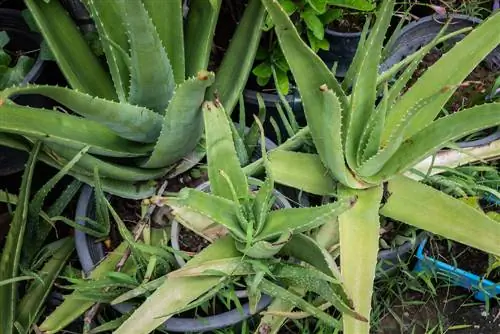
(22, 39)
(419, 33)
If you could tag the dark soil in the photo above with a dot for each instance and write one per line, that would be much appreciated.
(190, 241)
(452, 310)
(473, 90)
(348, 23)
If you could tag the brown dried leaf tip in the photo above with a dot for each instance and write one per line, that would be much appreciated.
(202, 75)
(323, 88)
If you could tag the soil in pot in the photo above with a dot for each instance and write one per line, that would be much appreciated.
(474, 90)
(348, 23)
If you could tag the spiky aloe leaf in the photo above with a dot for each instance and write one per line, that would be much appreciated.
(200, 29)
(302, 171)
(34, 299)
(109, 23)
(182, 125)
(319, 283)
(73, 55)
(238, 59)
(353, 70)
(321, 94)
(276, 291)
(297, 220)
(128, 121)
(217, 209)
(68, 130)
(73, 305)
(168, 20)
(234, 266)
(438, 134)
(468, 53)
(11, 253)
(162, 304)
(392, 144)
(221, 154)
(151, 77)
(264, 199)
(304, 248)
(359, 238)
(364, 92)
(444, 215)
(34, 233)
(107, 169)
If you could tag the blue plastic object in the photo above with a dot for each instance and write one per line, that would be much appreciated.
(483, 289)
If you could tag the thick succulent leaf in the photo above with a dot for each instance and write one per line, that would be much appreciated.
(238, 59)
(324, 101)
(113, 37)
(151, 77)
(319, 283)
(264, 249)
(11, 252)
(107, 169)
(168, 20)
(126, 120)
(233, 266)
(304, 248)
(353, 70)
(217, 209)
(175, 293)
(34, 299)
(67, 130)
(364, 92)
(419, 205)
(302, 171)
(438, 134)
(276, 291)
(36, 231)
(359, 238)
(271, 322)
(190, 160)
(297, 220)
(468, 53)
(73, 305)
(364, 5)
(221, 154)
(370, 139)
(182, 125)
(392, 144)
(264, 197)
(200, 29)
(73, 55)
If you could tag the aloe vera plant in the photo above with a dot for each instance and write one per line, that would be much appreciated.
(143, 117)
(256, 235)
(364, 144)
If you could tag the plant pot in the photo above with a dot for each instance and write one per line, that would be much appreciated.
(270, 100)
(389, 260)
(21, 39)
(419, 33)
(342, 49)
(483, 289)
(90, 253)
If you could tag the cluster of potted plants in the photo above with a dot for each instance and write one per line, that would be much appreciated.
(182, 223)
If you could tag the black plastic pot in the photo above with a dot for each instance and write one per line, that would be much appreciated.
(90, 253)
(343, 47)
(21, 39)
(419, 33)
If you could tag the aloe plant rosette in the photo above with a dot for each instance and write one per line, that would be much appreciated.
(366, 145)
(143, 118)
